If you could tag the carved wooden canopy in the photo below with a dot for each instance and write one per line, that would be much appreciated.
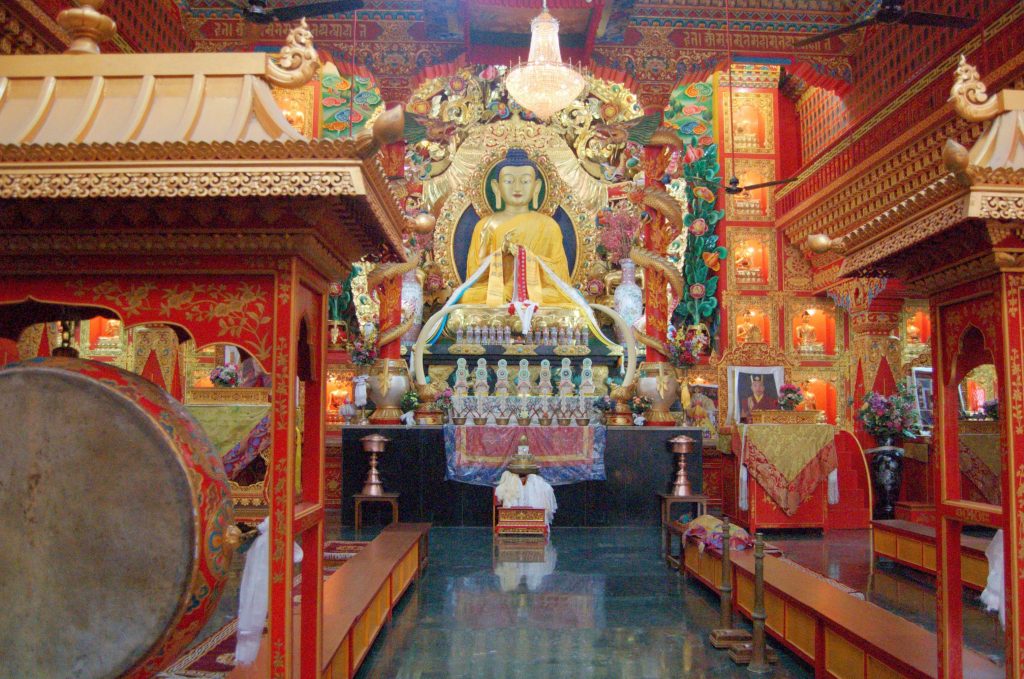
(173, 153)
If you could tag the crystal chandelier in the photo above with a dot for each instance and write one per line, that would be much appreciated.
(544, 85)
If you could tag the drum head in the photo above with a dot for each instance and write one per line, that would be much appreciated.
(96, 524)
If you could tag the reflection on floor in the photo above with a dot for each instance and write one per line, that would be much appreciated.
(599, 602)
(846, 556)
(596, 602)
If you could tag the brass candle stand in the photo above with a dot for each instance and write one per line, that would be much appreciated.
(681, 446)
(756, 655)
(374, 444)
(727, 635)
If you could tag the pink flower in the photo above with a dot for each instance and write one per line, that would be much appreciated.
(334, 289)
(434, 282)
(699, 227)
(697, 291)
(595, 286)
(692, 109)
(705, 140)
(693, 153)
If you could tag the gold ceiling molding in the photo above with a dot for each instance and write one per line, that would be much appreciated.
(196, 183)
(301, 149)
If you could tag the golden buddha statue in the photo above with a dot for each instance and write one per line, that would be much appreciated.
(807, 336)
(517, 223)
(747, 330)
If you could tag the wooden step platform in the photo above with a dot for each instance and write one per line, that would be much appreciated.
(838, 634)
(913, 545)
(358, 599)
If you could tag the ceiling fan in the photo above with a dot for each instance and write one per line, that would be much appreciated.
(260, 11)
(732, 187)
(893, 12)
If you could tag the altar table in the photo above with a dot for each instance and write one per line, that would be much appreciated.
(788, 465)
(637, 461)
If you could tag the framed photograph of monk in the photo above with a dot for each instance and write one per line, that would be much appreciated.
(753, 388)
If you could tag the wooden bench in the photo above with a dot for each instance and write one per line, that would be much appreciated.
(358, 600)
(838, 634)
(913, 545)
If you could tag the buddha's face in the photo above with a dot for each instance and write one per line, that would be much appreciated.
(518, 186)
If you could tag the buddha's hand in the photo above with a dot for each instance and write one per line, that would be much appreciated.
(509, 245)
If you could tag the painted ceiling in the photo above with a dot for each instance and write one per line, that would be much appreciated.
(656, 44)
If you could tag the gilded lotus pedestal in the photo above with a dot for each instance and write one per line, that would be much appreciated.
(658, 382)
(388, 381)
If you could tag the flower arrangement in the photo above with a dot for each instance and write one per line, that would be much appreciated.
(991, 409)
(603, 404)
(619, 229)
(363, 352)
(685, 348)
(891, 417)
(410, 400)
(225, 375)
(444, 401)
(639, 405)
(790, 396)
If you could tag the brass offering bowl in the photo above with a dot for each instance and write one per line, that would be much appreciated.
(459, 420)
(502, 421)
(544, 421)
(564, 421)
(583, 421)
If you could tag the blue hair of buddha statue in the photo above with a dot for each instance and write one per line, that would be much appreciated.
(516, 158)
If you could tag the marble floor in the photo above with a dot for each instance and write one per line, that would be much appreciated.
(597, 602)
(600, 602)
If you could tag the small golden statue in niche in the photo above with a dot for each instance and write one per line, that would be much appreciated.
(744, 261)
(747, 330)
(807, 336)
(110, 337)
(913, 332)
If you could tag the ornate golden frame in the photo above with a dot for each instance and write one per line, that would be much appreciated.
(738, 304)
(768, 239)
(748, 354)
(766, 166)
(764, 103)
(794, 308)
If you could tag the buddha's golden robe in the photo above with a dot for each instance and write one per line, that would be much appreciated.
(541, 236)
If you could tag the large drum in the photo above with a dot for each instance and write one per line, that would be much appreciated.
(113, 512)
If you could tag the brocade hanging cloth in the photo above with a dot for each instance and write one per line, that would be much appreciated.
(789, 460)
(981, 462)
(238, 432)
(478, 454)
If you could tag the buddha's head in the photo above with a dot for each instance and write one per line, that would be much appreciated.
(518, 183)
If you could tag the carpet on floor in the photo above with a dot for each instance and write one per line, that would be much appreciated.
(214, 657)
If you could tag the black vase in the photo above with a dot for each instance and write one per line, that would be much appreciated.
(887, 475)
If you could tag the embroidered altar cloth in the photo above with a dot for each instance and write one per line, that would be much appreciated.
(789, 460)
(478, 454)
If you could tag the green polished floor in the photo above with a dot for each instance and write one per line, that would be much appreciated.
(598, 602)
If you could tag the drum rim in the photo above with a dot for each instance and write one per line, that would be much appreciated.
(65, 366)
